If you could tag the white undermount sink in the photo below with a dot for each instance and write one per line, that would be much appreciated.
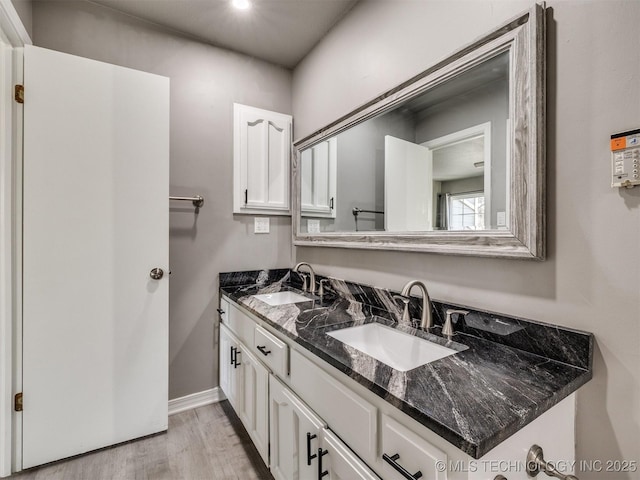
(281, 298)
(399, 350)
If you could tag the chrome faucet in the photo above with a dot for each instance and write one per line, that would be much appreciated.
(426, 321)
(312, 286)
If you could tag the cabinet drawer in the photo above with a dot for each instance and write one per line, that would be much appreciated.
(341, 463)
(346, 413)
(411, 452)
(271, 351)
(239, 323)
(224, 310)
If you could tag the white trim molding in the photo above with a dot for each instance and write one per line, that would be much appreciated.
(13, 38)
(195, 400)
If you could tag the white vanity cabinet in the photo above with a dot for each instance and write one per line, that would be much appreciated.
(353, 433)
(261, 158)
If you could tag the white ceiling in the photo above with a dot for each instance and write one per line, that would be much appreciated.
(278, 31)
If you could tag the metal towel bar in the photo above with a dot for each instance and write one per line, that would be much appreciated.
(197, 200)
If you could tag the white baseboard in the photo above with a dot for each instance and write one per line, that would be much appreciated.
(195, 400)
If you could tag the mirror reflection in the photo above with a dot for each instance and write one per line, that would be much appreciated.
(437, 161)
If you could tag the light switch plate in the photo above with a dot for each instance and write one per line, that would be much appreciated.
(313, 225)
(502, 219)
(261, 225)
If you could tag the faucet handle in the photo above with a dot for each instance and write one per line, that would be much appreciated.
(321, 287)
(448, 324)
(303, 276)
(405, 313)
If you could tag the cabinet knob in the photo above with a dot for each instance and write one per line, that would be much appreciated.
(156, 273)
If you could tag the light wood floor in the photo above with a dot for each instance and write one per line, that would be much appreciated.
(201, 444)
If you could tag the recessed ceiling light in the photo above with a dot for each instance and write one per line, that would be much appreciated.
(241, 4)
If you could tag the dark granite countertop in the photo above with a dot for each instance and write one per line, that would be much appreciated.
(507, 371)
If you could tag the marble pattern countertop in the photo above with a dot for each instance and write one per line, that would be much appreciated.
(501, 379)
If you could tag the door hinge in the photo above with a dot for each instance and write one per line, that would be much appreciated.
(246, 196)
(17, 404)
(19, 94)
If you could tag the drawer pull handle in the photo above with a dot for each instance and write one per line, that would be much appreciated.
(234, 357)
(221, 311)
(392, 460)
(263, 350)
(309, 456)
(321, 473)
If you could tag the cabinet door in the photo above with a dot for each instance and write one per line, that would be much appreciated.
(318, 168)
(340, 462)
(230, 366)
(262, 146)
(295, 435)
(253, 404)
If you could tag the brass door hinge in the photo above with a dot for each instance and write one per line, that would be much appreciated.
(19, 94)
(17, 406)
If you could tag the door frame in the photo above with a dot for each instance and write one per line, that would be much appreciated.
(466, 134)
(13, 38)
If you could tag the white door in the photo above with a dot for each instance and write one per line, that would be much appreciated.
(408, 186)
(295, 435)
(96, 171)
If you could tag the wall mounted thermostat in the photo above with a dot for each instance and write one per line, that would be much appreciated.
(625, 159)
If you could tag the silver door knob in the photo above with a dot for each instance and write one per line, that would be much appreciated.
(156, 273)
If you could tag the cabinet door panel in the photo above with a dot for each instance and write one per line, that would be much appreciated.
(318, 166)
(350, 415)
(254, 402)
(230, 367)
(291, 422)
(262, 146)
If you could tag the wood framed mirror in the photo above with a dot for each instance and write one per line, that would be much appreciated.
(451, 161)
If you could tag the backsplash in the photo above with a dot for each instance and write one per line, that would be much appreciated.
(562, 344)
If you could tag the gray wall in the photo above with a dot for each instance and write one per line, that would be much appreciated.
(25, 12)
(591, 278)
(489, 103)
(205, 81)
(361, 169)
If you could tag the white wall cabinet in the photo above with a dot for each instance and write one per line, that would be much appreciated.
(318, 167)
(295, 434)
(261, 159)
